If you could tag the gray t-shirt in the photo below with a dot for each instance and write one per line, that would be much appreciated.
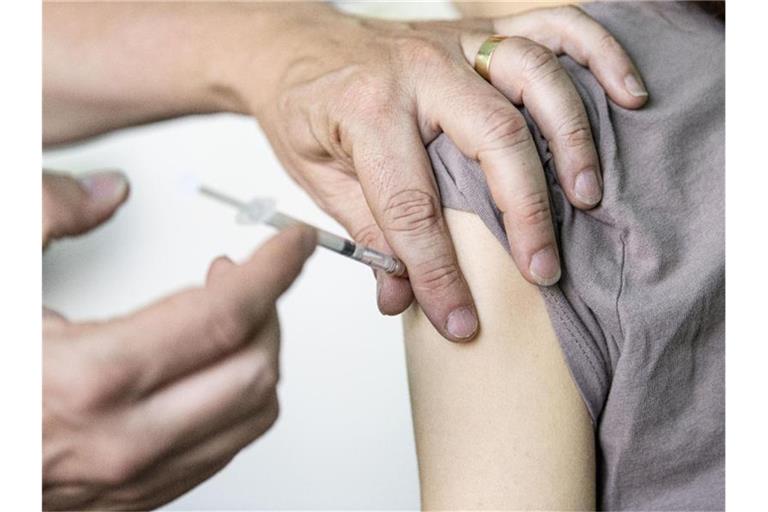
(640, 309)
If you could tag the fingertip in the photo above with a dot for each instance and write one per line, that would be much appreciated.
(450, 309)
(218, 267)
(587, 189)
(633, 92)
(621, 80)
(393, 294)
(304, 237)
(544, 266)
(462, 324)
(108, 186)
(73, 205)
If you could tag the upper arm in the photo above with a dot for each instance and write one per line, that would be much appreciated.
(499, 423)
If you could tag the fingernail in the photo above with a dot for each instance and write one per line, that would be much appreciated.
(462, 323)
(545, 267)
(634, 85)
(587, 187)
(104, 186)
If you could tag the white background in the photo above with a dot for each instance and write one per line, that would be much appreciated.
(20, 277)
(344, 437)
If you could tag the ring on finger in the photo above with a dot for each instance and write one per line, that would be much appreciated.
(484, 55)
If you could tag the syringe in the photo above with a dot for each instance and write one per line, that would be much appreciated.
(262, 210)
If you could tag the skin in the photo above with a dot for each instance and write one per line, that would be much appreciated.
(499, 423)
(348, 105)
(495, 9)
(139, 409)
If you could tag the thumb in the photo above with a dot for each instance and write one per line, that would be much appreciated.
(73, 206)
(269, 272)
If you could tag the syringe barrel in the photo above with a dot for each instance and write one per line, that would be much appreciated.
(324, 238)
(371, 257)
(378, 260)
(281, 221)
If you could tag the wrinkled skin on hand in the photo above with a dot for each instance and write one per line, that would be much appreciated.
(360, 99)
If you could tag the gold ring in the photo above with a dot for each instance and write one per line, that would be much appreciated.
(484, 54)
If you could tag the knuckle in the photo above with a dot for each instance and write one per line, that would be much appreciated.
(367, 235)
(575, 134)
(421, 52)
(368, 86)
(532, 209)
(373, 96)
(412, 211)
(504, 128)
(539, 62)
(437, 275)
(609, 44)
(226, 329)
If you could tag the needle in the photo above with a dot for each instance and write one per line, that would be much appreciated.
(262, 210)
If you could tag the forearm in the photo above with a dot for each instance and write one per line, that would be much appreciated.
(110, 65)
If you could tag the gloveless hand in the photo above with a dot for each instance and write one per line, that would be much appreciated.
(349, 104)
(358, 100)
(140, 409)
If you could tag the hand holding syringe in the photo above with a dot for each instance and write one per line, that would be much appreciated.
(262, 210)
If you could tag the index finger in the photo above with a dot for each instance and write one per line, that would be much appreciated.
(399, 187)
(194, 328)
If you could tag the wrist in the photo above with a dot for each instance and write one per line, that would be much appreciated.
(259, 47)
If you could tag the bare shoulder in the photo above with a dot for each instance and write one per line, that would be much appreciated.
(499, 422)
